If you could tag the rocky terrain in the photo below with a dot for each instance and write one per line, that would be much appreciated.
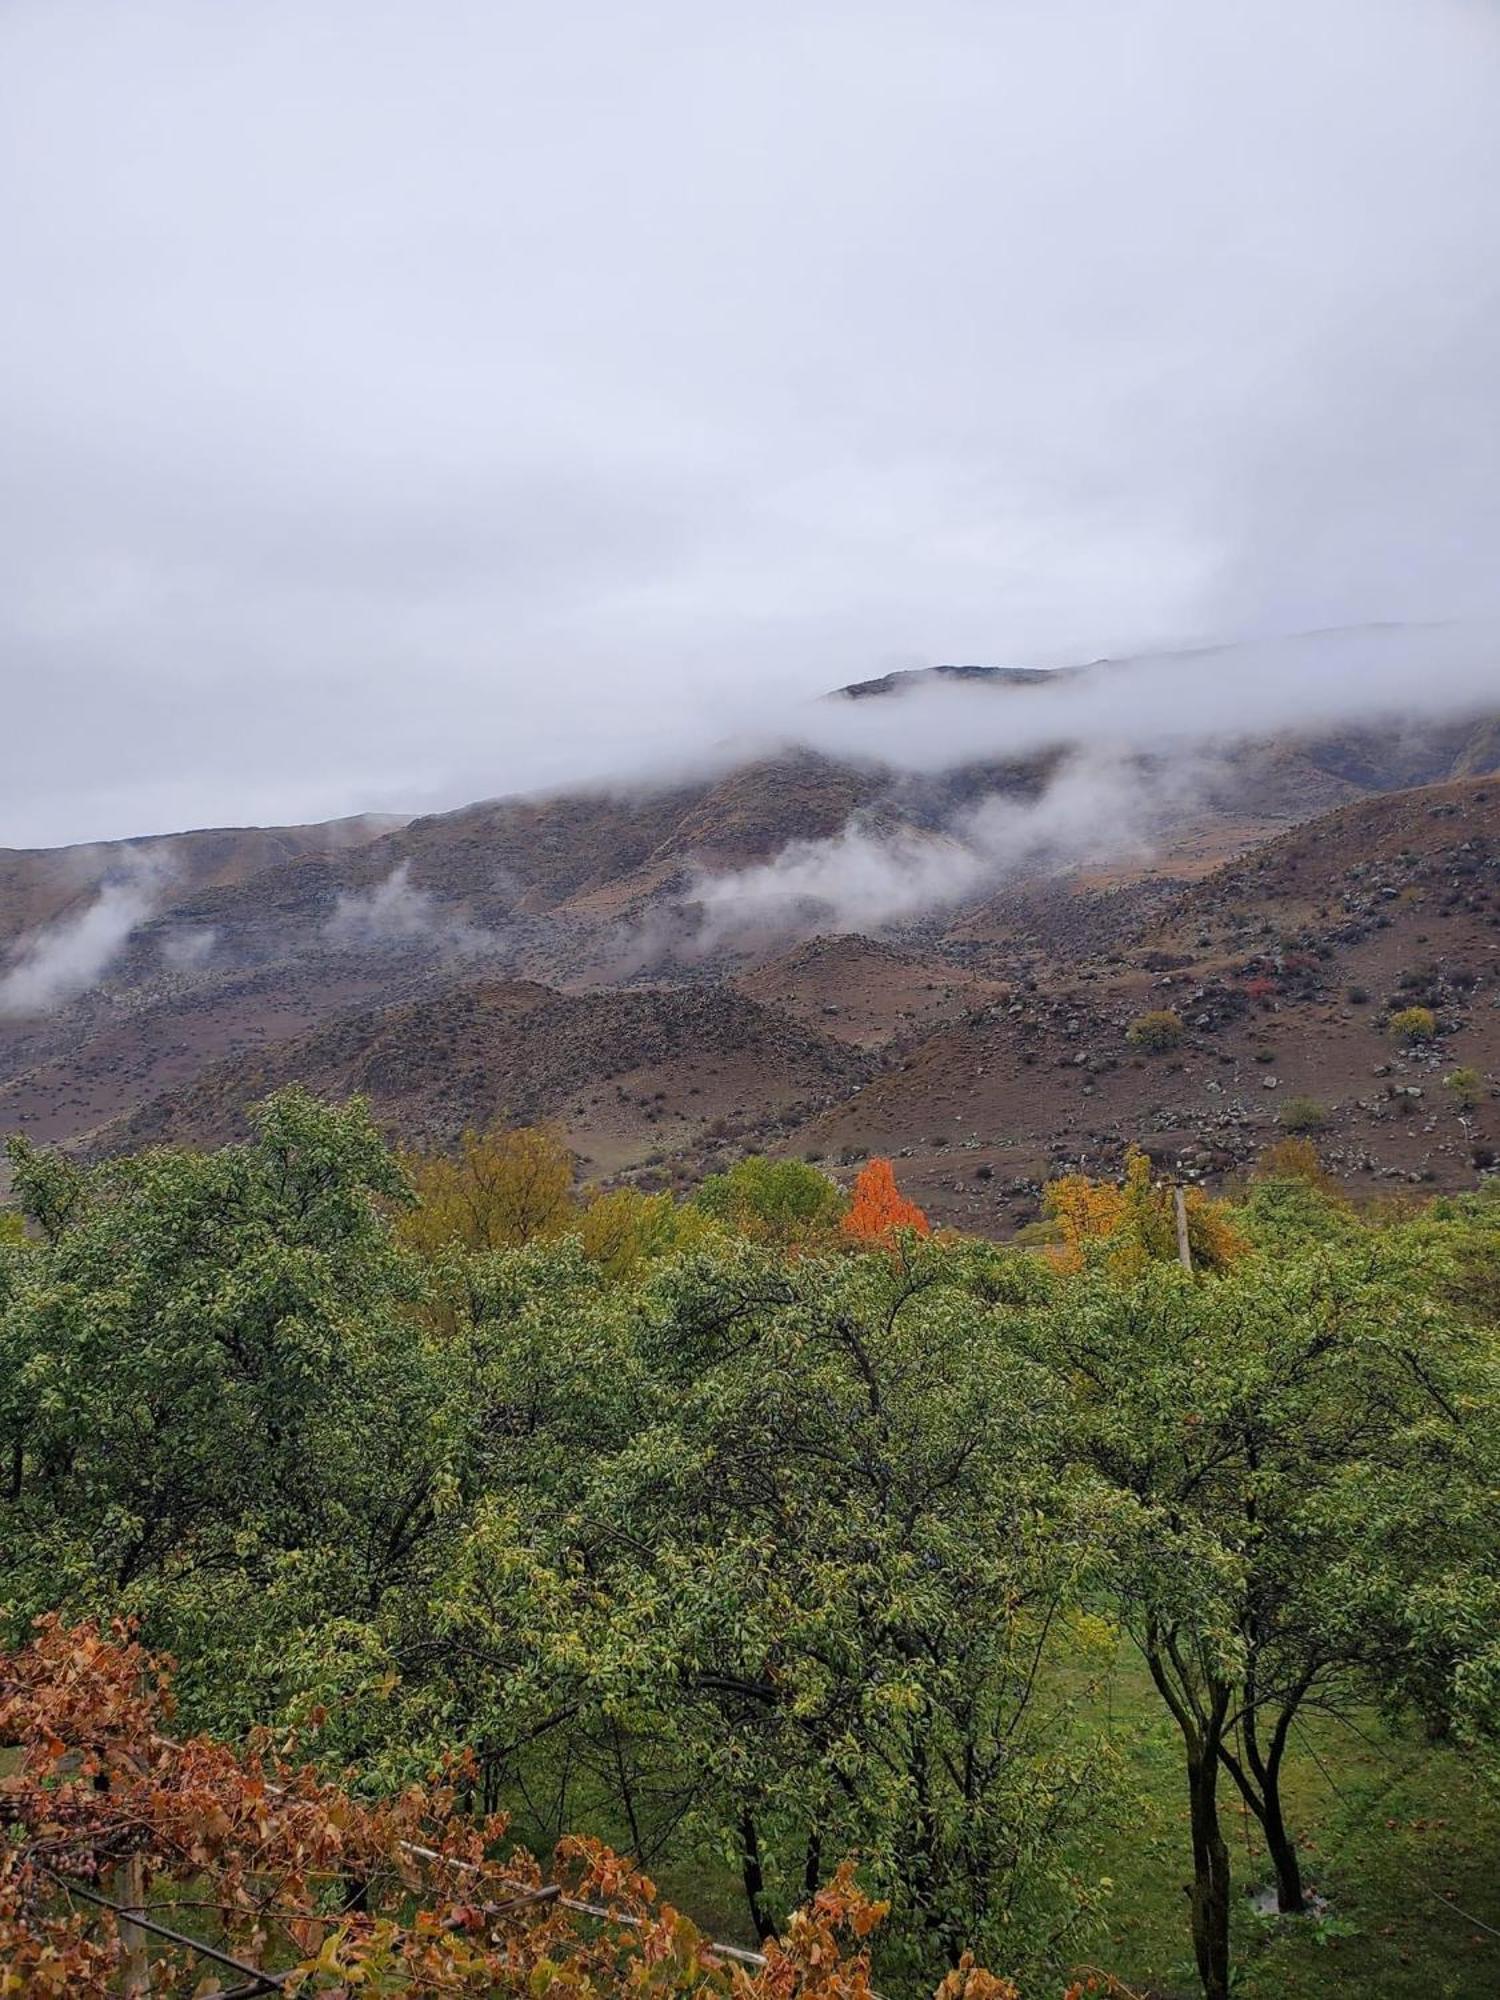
(547, 959)
(1283, 969)
(635, 1077)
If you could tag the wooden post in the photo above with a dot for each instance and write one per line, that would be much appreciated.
(1184, 1249)
(130, 1888)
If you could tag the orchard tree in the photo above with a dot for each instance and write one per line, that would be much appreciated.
(772, 1201)
(878, 1209)
(113, 1824)
(500, 1189)
(783, 1582)
(216, 1407)
(625, 1231)
(1296, 1448)
(1132, 1222)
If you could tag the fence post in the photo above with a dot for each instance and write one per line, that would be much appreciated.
(1184, 1248)
(130, 1888)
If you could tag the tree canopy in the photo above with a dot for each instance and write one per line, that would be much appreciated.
(759, 1531)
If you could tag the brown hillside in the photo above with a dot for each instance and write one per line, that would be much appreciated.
(627, 1075)
(40, 884)
(1283, 968)
(864, 992)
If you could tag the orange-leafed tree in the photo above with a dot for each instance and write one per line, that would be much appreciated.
(110, 1828)
(877, 1207)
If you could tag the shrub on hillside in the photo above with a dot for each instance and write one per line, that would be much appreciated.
(1302, 1114)
(1413, 1024)
(1465, 1086)
(1155, 1032)
(1294, 1159)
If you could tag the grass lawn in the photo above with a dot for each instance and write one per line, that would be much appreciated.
(1385, 1821)
(1382, 1822)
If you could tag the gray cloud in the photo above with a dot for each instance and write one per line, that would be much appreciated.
(403, 404)
(1176, 702)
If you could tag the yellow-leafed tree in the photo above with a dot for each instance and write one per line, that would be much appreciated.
(1133, 1222)
(502, 1188)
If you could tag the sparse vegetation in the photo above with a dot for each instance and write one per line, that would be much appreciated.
(1156, 1032)
(1302, 1115)
(1465, 1087)
(1410, 1025)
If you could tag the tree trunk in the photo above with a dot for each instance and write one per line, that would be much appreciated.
(1210, 1901)
(812, 1872)
(1280, 1847)
(754, 1878)
(1290, 1900)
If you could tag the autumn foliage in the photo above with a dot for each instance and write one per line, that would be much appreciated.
(502, 1188)
(274, 1879)
(302, 1879)
(877, 1207)
(1131, 1222)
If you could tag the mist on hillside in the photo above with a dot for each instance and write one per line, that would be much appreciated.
(58, 961)
(657, 382)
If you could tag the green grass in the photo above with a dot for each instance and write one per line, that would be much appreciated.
(1385, 1821)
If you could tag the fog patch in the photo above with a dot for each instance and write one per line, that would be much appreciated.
(187, 949)
(870, 877)
(395, 912)
(1361, 677)
(865, 878)
(55, 964)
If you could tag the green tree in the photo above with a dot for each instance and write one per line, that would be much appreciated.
(215, 1409)
(625, 1231)
(772, 1201)
(1285, 1443)
(781, 1567)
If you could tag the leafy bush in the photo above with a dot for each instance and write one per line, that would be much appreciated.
(771, 1200)
(1294, 1160)
(1413, 1024)
(1131, 1223)
(1302, 1114)
(1155, 1032)
(1465, 1086)
(503, 1188)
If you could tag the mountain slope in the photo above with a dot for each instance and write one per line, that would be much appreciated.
(1282, 967)
(395, 958)
(626, 1075)
(40, 884)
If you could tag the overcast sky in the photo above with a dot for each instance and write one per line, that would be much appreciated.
(403, 403)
